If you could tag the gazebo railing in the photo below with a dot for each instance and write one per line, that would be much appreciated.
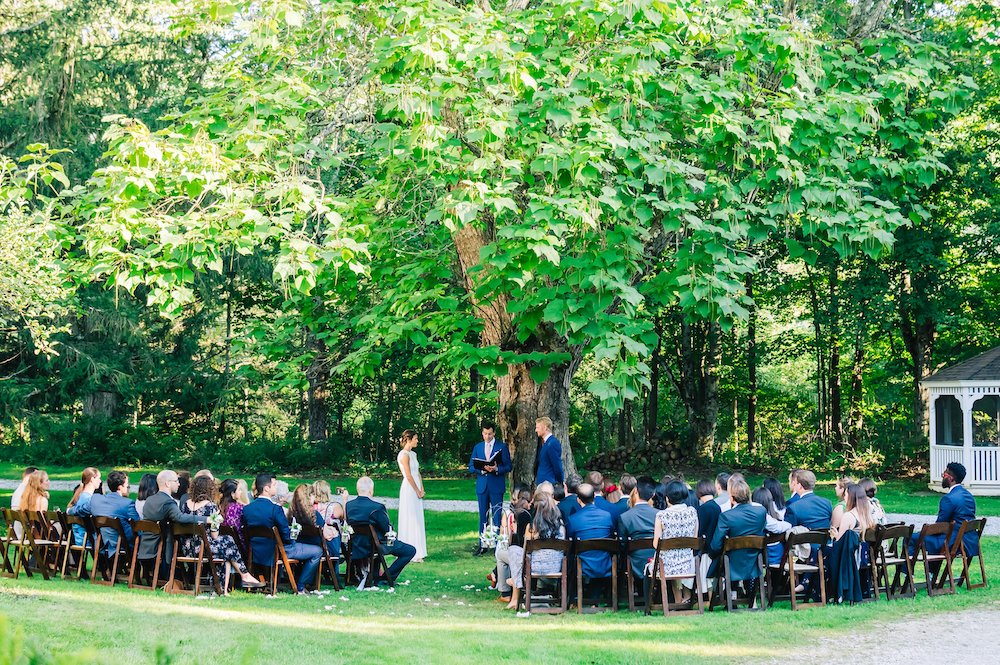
(983, 466)
(942, 456)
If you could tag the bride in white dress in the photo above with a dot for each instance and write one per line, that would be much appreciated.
(411, 497)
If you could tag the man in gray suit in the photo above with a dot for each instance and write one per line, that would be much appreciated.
(161, 506)
(639, 521)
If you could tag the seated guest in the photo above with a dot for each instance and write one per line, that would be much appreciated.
(204, 473)
(513, 526)
(742, 519)
(282, 496)
(794, 496)
(547, 524)
(678, 520)
(870, 488)
(639, 521)
(115, 504)
(15, 498)
(660, 496)
(708, 509)
(558, 492)
(201, 503)
(79, 505)
(587, 523)
(692, 499)
(762, 497)
(242, 495)
(626, 485)
(159, 507)
(956, 506)
(264, 512)
(303, 511)
(612, 503)
(147, 488)
(36, 492)
(183, 485)
(721, 493)
(849, 553)
(231, 507)
(364, 510)
(840, 507)
(332, 516)
(808, 510)
(778, 495)
(857, 517)
(569, 504)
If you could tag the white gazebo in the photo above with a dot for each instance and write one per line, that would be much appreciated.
(964, 402)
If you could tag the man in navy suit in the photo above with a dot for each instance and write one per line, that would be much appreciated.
(491, 481)
(569, 504)
(263, 512)
(808, 510)
(587, 523)
(365, 510)
(115, 504)
(743, 519)
(548, 459)
(957, 506)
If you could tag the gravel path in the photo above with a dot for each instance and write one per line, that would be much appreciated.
(453, 506)
(913, 641)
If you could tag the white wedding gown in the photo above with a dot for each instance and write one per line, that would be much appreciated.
(411, 506)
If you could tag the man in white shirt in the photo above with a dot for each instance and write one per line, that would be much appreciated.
(15, 499)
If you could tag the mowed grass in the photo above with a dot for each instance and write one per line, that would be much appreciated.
(442, 612)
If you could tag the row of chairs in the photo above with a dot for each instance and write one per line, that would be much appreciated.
(889, 571)
(42, 542)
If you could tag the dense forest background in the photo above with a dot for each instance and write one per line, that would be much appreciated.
(277, 234)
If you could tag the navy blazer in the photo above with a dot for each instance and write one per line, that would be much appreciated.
(364, 510)
(708, 520)
(635, 523)
(265, 513)
(493, 481)
(568, 506)
(550, 466)
(959, 506)
(587, 523)
(613, 509)
(743, 519)
(114, 504)
(811, 511)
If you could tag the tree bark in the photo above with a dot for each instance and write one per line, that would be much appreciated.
(751, 370)
(520, 399)
(698, 356)
(856, 421)
(835, 400)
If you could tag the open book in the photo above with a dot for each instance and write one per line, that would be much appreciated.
(479, 464)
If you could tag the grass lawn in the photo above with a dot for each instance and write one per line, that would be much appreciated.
(443, 612)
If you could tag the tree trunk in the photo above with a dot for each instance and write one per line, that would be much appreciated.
(835, 400)
(520, 399)
(101, 404)
(318, 376)
(699, 354)
(521, 402)
(855, 416)
(653, 403)
(751, 371)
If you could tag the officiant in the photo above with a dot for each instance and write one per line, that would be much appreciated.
(490, 462)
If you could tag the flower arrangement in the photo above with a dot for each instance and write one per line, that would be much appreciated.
(214, 522)
(295, 528)
(390, 536)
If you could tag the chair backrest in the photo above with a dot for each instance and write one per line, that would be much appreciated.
(696, 543)
(149, 527)
(548, 544)
(742, 543)
(609, 545)
(819, 538)
(936, 529)
(110, 523)
(975, 526)
(636, 544)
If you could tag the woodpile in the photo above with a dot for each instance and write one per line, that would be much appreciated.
(658, 455)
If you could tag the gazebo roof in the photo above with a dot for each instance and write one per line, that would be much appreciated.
(984, 367)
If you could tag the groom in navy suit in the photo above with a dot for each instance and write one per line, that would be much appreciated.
(491, 481)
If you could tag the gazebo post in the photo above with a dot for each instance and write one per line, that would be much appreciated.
(967, 400)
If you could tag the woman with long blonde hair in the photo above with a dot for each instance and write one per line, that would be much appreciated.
(36, 494)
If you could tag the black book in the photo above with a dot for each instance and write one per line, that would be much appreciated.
(479, 464)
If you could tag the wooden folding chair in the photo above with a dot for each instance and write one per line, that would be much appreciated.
(148, 569)
(724, 582)
(26, 549)
(375, 562)
(7, 549)
(891, 562)
(55, 529)
(631, 547)
(280, 561)
(935, 584)
(613, 547)
(103, 559)
(794, 570)
(227, 530)
(82, 551)
(203, 559)
(696, 544)
(532, 546)
(329, 563)
(958, 552)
